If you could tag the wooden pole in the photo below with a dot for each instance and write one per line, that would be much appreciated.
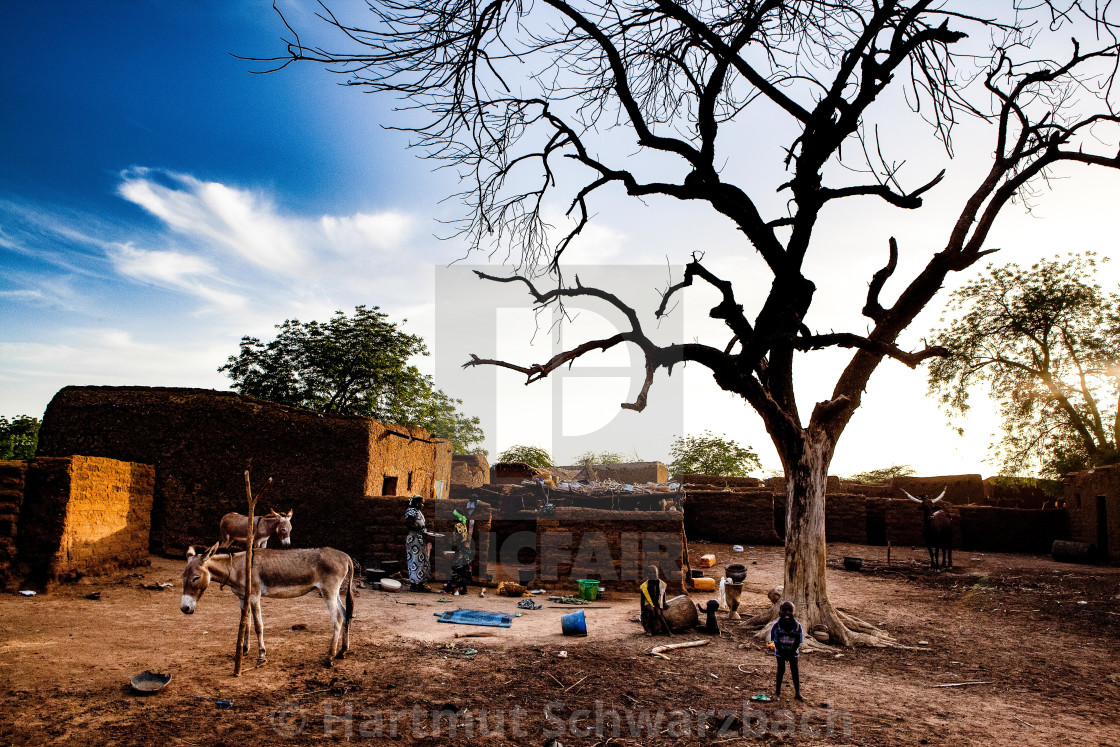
(243, 627)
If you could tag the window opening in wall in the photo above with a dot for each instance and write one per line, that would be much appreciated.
(410, 481)
(389, 486)
(1077, 499)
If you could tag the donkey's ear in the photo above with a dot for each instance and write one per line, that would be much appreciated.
(289, 514)
(191, 552)
(211, 551)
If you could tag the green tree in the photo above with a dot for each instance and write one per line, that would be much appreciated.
(1046, 342)
(881, 475)
(600, 457)
(709, 454)
(19, 437)
(352, 365)
(604, 107)
(534, 456)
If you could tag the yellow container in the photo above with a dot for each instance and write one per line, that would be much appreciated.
(706, 561)
(704, 584)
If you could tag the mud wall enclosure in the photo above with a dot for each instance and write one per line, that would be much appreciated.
(75, 516)
(758, 517)
(200, 443)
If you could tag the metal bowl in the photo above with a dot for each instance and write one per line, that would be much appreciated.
(149, 682)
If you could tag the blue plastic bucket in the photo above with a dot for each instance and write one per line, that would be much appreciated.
(574, 624)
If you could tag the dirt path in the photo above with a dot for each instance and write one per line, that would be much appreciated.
(1044, 634)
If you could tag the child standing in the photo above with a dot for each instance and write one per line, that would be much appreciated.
(461, 562)
(785, 638)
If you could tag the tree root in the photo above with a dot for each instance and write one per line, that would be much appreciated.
(844, 630)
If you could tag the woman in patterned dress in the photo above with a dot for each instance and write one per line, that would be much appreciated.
(417, 545)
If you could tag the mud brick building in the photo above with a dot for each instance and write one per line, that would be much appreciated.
(470, 470)
(1093, 502)
(200, 442)
(631, 473)
(69, 517)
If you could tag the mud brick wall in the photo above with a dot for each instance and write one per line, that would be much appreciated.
(1092, 499)
(83, 516)
(12, 475)
(471, 470)
(633, 473)
(994, 529)
(845, 518)
(201, 441)
(959, 489)
(871, 491)
(904, 522)
(372, 529)
(719, 481)
(1021, 492)
(744, 516)
(575, 543)
(778, 485)
(512, 473)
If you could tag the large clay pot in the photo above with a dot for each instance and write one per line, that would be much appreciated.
(682, 614)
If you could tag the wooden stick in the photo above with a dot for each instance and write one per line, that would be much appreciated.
(963, 684)
(476, 635)
(656, 650)
(243, 626)
(1021, 721)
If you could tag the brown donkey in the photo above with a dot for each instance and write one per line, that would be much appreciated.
(235, 527)
(284, 574)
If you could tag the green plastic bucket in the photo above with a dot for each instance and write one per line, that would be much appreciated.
(588, 589)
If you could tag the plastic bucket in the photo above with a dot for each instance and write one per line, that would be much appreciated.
(574, 624)
(588, 589)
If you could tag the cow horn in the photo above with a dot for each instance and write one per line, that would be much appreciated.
(935, 500)
(917, 500)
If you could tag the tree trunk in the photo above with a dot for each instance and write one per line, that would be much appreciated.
(805, 583)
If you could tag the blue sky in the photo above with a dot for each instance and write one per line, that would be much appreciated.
(158, 201)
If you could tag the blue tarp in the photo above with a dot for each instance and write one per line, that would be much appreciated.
(476, 617)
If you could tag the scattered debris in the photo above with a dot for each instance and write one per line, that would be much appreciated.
(529, 604)
(563, 654)
(94, 595)
(964, 684)
(762, 698)
(477, 634)
(299, 626)
(27, 593)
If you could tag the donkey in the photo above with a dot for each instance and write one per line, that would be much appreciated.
(235, 527)
(278, 573)
(937, 531)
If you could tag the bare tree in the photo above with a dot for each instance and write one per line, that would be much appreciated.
(527, 99)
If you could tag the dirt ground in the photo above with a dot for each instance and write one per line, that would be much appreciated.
(1040, 638)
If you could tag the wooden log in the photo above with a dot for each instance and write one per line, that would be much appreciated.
(1073, 552)
(243, 626)
(659, 650)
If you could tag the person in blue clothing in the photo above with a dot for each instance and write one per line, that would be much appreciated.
(785, 638)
